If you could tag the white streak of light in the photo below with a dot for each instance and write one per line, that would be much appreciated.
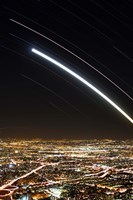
(83, 81)
(73, 55)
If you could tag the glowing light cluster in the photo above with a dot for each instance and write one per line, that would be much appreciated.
(83, 81)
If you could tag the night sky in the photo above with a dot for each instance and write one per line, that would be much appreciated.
(37, 99)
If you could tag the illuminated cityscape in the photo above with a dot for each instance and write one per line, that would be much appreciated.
(66, 169)
(66, 99)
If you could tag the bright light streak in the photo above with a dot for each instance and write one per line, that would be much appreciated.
(36, 32)
(83, 81)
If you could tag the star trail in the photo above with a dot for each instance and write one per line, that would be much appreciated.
(92, 42)
(83, 81)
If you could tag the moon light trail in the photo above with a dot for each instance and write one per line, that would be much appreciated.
(59, 45)
(85, 82)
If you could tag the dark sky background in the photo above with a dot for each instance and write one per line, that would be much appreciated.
(39, 100)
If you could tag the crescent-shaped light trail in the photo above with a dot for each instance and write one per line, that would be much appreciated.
(81, 79)
(75, 55)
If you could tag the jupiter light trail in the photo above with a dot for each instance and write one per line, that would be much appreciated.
(81, 79)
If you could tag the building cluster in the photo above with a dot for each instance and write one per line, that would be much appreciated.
(66, 169)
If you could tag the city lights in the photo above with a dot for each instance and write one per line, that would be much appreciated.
(85, 168)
